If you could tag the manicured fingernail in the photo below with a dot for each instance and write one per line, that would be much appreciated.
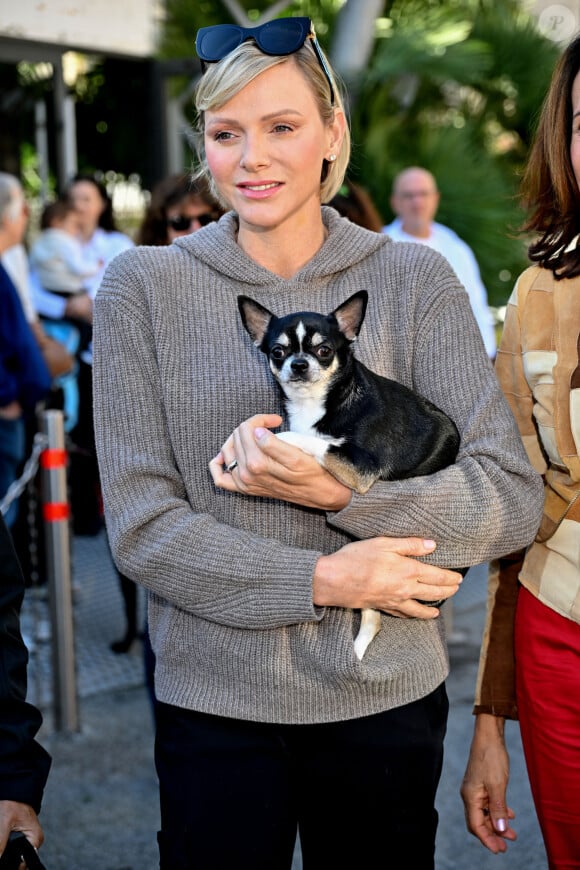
(429, 544)
(260, 433)
(501, 825)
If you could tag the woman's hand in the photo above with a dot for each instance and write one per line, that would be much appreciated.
(485, 783)
(382, 573)
(15, 816)
(268, 467)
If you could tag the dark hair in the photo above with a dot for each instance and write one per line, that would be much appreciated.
(57, 210)
(549, 188)
(106, 219)
(167, 193)
(353, 202)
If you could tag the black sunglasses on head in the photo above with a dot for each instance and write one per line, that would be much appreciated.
(278, 38)
(182, 222)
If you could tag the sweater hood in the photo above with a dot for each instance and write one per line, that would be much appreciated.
(345, 245)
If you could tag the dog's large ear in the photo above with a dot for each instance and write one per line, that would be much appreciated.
(255, 318)
(351, 313)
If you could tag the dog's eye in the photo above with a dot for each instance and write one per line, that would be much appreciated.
(324, 351)
(278, 352)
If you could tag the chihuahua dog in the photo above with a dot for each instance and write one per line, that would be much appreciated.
(359, 425)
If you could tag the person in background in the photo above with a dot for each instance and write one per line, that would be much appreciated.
(255, 558)
(101, 242)
(61, 364)
(530, 658)
(100, 238)
(179, 205)
(57, 256)
(57, 357)
(15, 261)
(24, 764)
(24, 376)
(353, 202)
(415, 200)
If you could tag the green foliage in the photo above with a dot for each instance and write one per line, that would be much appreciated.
(523, 60)
(29, 174)
(456, 87)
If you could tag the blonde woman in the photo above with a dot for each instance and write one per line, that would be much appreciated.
(256, 569)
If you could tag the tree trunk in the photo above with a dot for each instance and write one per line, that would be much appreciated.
(354, 35)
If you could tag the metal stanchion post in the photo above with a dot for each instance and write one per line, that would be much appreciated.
(56, 514)
(447, 612)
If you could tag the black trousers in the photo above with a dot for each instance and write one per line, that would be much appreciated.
(361, 793)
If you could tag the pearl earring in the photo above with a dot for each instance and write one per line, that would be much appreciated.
(332, 158)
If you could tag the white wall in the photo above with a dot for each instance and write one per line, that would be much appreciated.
(125, 27)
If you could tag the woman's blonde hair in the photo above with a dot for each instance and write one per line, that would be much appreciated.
(225, 79)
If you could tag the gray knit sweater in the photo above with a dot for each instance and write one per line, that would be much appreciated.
(231, 616)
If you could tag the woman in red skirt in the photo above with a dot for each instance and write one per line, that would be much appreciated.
(530, 659)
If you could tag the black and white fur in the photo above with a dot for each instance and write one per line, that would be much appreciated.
(359, 425)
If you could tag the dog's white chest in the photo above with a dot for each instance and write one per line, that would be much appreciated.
(303, 417)
(304, 413)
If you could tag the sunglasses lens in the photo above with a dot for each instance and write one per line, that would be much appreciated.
(179, 224)
(282, 36)
(214, 43)
(182, 223)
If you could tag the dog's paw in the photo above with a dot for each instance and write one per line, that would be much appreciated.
(346, 473)
(370, 625)
(310, 444)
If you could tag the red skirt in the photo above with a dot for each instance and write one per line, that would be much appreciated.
(547, 650)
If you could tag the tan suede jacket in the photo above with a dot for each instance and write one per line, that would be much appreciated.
(538, 366)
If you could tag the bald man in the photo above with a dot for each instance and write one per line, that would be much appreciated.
(415, 200)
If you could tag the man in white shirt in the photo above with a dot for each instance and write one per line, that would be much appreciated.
(415, 200)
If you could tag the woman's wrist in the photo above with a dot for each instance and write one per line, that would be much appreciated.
(341, 498)
(323, 586)
(487, 725)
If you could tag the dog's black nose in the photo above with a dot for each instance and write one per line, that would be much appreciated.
(299, 366)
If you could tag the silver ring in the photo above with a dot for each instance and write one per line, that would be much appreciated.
(233, 464)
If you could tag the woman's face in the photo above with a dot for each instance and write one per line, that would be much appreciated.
(265, 148)
(575, 140)
(88, 203)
